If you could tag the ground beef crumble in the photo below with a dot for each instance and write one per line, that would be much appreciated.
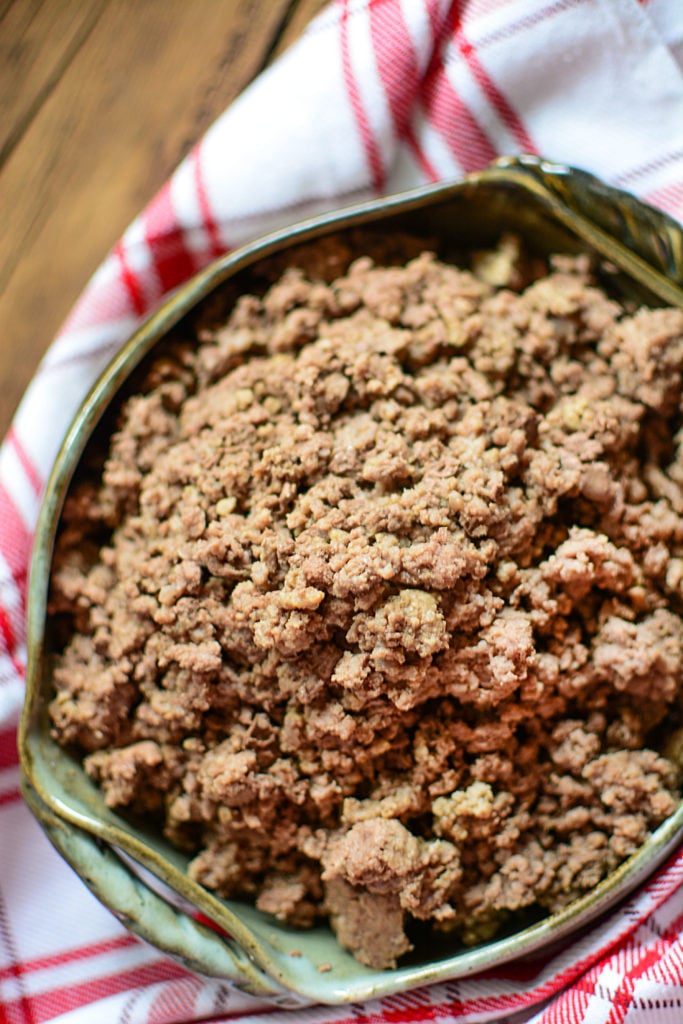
(389, 598)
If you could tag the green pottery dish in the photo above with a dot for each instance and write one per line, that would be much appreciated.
(133, 870)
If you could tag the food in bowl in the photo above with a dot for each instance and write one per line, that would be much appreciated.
(376, 602)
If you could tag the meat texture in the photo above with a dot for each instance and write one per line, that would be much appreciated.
(377, 600)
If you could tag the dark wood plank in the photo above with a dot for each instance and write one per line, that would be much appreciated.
(5, 6)
(132, 97)
(38, 40)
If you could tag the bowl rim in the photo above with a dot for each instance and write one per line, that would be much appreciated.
(569, 196)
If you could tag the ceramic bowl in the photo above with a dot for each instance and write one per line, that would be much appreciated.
(131, 869)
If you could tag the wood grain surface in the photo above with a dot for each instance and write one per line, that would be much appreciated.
(99, 101)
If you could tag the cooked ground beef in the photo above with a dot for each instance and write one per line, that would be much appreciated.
(388, 603)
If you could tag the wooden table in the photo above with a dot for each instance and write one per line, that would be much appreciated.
(99, 101)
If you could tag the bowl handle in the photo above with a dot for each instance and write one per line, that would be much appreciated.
(192, 944)
(646, 232)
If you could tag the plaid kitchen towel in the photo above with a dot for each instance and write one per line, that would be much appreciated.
(377, 96)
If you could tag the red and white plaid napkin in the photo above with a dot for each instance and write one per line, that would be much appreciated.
(378, 95)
